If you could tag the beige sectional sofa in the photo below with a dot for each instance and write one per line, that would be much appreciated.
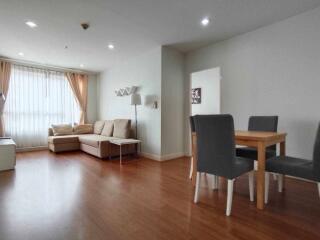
(97, 142)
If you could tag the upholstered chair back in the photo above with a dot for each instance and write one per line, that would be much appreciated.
(265, 124)
(316, 154)
(215, 144)
(192, 127)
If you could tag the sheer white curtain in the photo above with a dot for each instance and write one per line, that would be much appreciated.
(37, 98)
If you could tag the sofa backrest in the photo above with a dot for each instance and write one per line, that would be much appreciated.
(120, 128)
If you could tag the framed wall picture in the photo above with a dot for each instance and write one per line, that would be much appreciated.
(196, 95)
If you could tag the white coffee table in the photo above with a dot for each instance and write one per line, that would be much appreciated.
(121, 142)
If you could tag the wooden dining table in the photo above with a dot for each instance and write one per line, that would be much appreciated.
(259, 140)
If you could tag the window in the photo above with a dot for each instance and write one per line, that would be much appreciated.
(36, 99)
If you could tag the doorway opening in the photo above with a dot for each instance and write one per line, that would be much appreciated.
(205, 92)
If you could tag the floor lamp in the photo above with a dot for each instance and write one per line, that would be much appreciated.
(136, 100)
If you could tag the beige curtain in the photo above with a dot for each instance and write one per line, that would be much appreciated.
(79, 85)
(5, 71)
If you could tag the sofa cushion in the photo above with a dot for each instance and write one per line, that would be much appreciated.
(93, 139)
(121, 128)
(62, 129)
(83, 129)
(98, 126)
(108, 128)
(63, 139)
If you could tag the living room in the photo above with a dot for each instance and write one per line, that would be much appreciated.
(141, 119)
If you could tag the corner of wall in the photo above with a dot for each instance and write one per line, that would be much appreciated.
(172, 114)
(92, 109)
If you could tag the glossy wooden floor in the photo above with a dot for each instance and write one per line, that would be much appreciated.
(76, 196)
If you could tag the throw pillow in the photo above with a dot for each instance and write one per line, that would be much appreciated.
(83, 129)
(98, 126)
(62, 129)
(108, 128)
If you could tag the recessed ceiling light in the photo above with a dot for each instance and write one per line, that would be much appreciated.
(81, 65)
(31, 24)
(205, 21)
(111, 46)
(21, 54)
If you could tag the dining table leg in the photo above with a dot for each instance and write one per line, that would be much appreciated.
(283, 153)
(261, 175)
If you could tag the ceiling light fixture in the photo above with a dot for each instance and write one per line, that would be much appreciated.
(31, 24)
(81, 65)
(205, 21)
(21, 54)
(111, 46)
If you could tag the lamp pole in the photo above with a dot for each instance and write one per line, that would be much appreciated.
(135, 111)
(136, 100)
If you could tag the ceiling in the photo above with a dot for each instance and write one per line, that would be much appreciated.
(133, 26)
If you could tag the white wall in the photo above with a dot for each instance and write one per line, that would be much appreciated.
(144, 72)
(172, 101)
(92, 107)
(209, 82)
(273, 70)
(159, 74)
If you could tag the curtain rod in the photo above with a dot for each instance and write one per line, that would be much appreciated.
(43, 66)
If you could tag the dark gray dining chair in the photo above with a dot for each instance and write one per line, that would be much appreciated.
(215, 179)
(216, 153)
(260, 123)
(296, 167)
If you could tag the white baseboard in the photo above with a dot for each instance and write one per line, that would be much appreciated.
(162, 158)
(172, 156)
(31, 149)
(150, 156)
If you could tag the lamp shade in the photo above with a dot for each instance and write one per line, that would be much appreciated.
(135, 99)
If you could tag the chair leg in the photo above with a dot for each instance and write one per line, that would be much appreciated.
(251, 185)
(229, 197)
(215, 182)
(266, 187)
(280, 183)
(274, 176)
(319, 188)
(191, 168)
(196, 193)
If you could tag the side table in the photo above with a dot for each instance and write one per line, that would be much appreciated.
(121, 142)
